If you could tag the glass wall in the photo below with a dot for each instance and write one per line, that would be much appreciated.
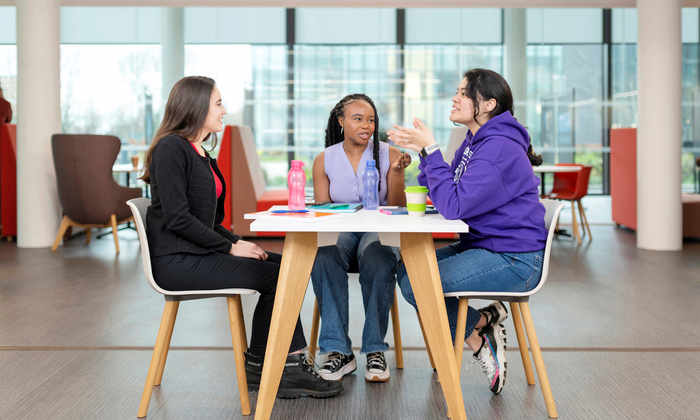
(283, 80)
(8, 57)
(624, 83)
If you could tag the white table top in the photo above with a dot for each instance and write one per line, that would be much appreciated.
(554, 168)
(126, 167)
(361, 221)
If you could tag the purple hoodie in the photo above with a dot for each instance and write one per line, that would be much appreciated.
(491, 186)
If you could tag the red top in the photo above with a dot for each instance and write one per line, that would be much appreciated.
(217, 181)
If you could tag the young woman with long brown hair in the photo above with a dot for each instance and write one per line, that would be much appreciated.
(189, 247)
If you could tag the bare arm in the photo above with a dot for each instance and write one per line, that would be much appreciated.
(322, 193)
(395, 195)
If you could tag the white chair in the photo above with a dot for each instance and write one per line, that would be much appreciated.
(519, 302)
(172, 301)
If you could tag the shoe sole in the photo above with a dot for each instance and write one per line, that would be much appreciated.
(500, 332)
(345, 370)
(377, 377)
(294, 393)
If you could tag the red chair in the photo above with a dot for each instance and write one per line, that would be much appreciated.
(573, 186)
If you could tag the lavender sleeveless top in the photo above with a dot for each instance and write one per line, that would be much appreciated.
(345, 184)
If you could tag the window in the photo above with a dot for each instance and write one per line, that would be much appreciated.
(8, 57)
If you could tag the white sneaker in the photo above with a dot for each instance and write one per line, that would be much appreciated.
(377, 370)
(492, 356)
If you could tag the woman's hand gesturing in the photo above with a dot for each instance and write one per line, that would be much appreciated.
(247, 250)
(401, 162)
(415, 138)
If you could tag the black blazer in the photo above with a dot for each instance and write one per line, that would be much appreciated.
(185, 215)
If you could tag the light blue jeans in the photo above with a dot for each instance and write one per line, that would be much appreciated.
(376, 264)
(478, 270)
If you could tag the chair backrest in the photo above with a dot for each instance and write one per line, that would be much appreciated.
(139, 207)
(457, 136)
(565, 182)
(86, 187)
(551, 217)
(552, 210)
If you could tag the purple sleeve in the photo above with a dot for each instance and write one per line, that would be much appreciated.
(479, 191)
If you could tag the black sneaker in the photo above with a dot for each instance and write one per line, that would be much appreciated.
(299, 379)
(495, 314)
(377, 370)
(337, 365)
(492, 356)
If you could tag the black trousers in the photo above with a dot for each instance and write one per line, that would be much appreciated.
(224, 271)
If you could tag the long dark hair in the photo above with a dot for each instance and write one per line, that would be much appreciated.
(334, 132)
(487, 84)
(185, 113)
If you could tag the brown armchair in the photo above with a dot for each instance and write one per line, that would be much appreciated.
(89, 195)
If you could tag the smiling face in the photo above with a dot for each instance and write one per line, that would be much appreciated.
(463, 107)
(215, 117)
(358, 122)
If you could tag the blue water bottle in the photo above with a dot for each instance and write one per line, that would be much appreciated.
(370, 180)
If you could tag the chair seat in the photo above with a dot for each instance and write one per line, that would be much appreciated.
(204, 294)
(506, 297)
(562, 196)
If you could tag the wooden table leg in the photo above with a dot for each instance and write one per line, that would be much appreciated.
(298, 257)
(418, 255)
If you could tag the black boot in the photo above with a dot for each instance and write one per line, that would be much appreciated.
(253, 370)
(300, 379)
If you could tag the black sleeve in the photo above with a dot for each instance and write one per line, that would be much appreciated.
(226, 233)
(168, 164)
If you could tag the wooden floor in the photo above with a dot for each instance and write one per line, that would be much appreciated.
(618, 326)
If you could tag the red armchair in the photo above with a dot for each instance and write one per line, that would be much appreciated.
(8, 179)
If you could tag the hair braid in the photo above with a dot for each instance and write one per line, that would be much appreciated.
(334, 130)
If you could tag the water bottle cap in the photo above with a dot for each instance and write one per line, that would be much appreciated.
(370, 163)
(297, 164)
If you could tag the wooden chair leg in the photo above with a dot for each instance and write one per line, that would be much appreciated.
(235, 313)
(427, 346)
(65, 224)
(314, 331)
(87, 236)
(522, 343)
(574, 226)
(113, 222)
(161, 367)
(539, 363)
(169, 312)
(461, 328)
(584, 219)
(396, 325)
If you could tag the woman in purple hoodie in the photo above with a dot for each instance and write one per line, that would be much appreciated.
(490, 185)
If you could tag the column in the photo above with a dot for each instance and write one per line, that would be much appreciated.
(515, 58)
(39, 116)
(659, 212)
(172, 42)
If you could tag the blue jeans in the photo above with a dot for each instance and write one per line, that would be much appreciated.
(376, 264)
(478, 270)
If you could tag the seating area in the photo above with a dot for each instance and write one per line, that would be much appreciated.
(172, 246)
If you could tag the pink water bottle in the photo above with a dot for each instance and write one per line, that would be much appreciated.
(296, 181)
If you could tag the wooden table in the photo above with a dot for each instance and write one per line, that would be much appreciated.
(412, 234)
(544, 169)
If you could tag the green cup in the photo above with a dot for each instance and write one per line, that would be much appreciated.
(415, 200)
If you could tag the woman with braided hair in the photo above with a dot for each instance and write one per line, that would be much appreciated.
(352, 138)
